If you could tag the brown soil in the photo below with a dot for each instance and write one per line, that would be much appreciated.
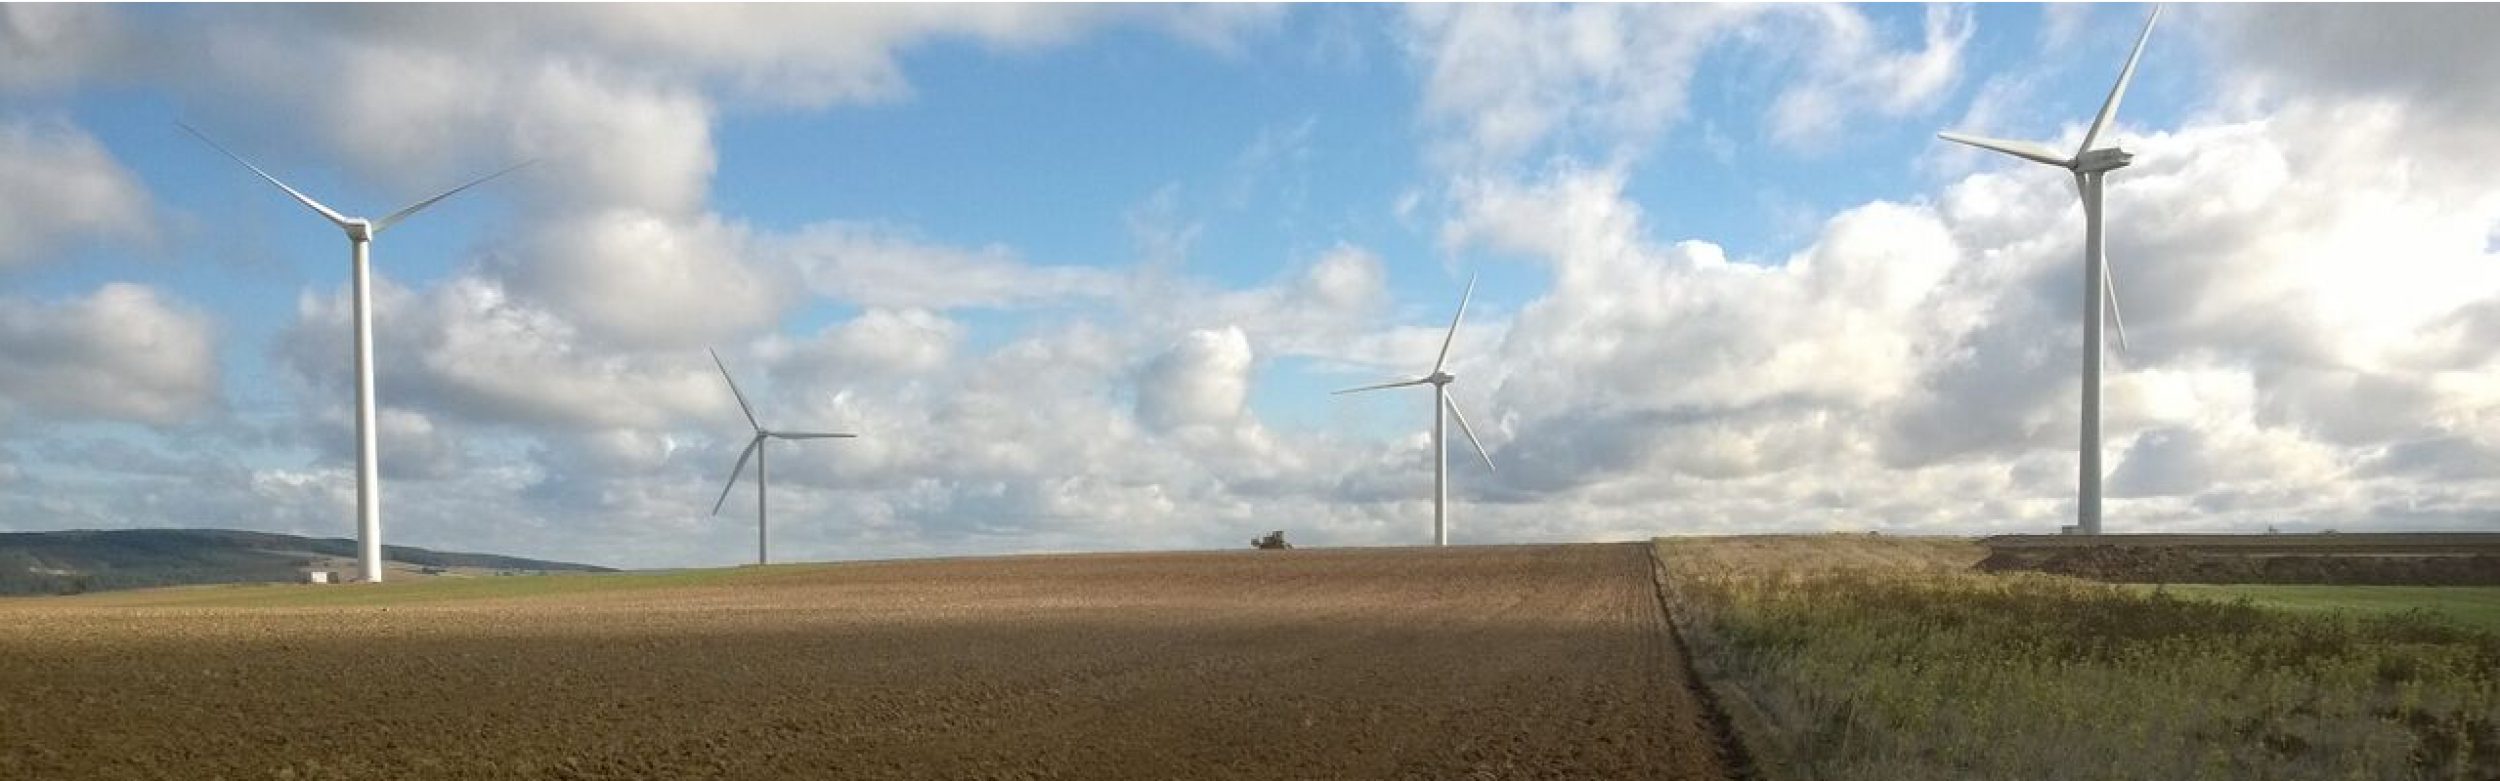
(1524, 662)
(2150, 564)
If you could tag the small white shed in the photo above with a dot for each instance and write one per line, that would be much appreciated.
(317, 576)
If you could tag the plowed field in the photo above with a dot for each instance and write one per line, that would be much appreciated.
(1520, 662)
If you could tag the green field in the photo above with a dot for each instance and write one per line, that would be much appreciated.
(2471, 606)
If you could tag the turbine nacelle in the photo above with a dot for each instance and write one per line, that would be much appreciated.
(358, 229)
(1441, 378)
(2102, 160)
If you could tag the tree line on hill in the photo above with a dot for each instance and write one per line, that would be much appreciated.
(71, 562)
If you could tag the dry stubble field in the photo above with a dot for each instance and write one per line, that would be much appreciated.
(1512, 662)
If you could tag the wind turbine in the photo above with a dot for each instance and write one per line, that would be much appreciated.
(2088, 166)
(755, 447)
(360, 233)
(1440, 382)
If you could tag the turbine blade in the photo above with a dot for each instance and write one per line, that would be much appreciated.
(2109, 108)
(1470, 431)
(1416, 381)
(2109, 290)
(734, 471)
(733, 391)
(326, 212)
(2022, 149)
(386, 222)
(809, 435)
(2109, 284)
(1453, 334)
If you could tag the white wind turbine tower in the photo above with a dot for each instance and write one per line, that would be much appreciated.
(755, 447)
(1440, 382)
(360, 233)
(2088, 166)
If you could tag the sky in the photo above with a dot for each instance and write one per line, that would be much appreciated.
(1082, 277)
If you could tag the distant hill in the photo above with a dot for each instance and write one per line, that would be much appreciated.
(71, 562)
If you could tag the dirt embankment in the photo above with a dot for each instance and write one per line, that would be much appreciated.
(2154, 564)
(1463, 663)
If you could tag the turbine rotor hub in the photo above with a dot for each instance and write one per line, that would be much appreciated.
(360, 229)
(1441, 378)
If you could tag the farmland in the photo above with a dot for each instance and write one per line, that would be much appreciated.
(1858, 657)
(1502, 662)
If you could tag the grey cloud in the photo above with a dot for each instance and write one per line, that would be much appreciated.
(800, 56)
(617, 101)
(46, 46)
(2163, 463)
(408, 445)
(1346, 278)
(2472, 513)
(1324, 306)
(1202, 380)
(2347, 407)
(881, 267)
(1632, 323)
(1553, 456)
(1506, 80)
(2450, 458)
(2007, 388)
(1850, 73)
(646, 280)
(59, 186)
(467, 349)
(877, 344)
(2434, 57)
(122, 353)
(117, 456)
(1573, 449)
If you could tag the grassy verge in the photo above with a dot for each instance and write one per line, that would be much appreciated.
(1882, 659)
(2476, 607)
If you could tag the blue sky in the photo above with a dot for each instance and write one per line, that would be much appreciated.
(1088, 273)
